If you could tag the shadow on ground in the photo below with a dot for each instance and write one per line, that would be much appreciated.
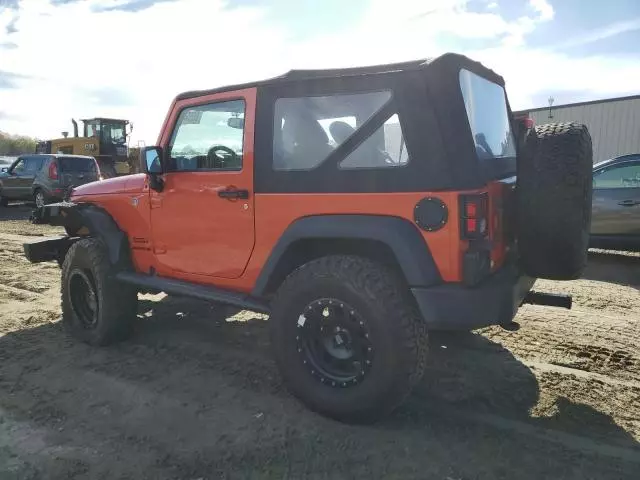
(622, 268)
(16, 211)
(195, 394)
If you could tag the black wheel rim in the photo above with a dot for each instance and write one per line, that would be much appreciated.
(84, 300)
(333, 341)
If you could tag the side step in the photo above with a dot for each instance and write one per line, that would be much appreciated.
(193, 290)
(549, 299)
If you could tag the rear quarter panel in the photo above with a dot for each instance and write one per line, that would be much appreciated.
(276, 212)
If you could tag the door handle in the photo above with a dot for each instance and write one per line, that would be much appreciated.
(629, 203)
(234, 193)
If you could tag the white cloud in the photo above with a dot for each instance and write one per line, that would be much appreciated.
(602, 33)
(77, 59)
(543, 8)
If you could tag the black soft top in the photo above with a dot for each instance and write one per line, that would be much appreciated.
(446, 62)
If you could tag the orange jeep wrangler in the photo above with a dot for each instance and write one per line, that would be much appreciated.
(360, 208)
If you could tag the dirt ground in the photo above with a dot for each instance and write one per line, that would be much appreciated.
(195, 394)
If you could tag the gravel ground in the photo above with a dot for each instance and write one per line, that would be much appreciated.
(195, 394)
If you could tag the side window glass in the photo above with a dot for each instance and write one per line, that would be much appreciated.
(308, 129)
(208, 137)
(386, 148)
(19, 167)
(627, 176)
(33, 165)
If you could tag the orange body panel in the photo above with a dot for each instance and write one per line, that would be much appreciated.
(126, 199)
(190, 233)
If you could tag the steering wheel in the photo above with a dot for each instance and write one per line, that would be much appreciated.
(218, 161)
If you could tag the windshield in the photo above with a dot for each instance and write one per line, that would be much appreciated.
(114, 132)
(486, 106)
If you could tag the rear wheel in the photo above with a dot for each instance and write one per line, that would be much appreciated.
(95, 308)
(347, 339)
(39, 198)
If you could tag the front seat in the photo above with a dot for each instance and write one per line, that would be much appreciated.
(310, 142)
(340, 131)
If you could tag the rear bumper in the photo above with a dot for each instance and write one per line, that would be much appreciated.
(494, 301)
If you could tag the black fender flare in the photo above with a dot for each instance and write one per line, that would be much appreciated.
(401, 236)
(87, 220)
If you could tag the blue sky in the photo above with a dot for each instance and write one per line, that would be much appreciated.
(128, 58)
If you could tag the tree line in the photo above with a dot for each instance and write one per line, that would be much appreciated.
(13, 145)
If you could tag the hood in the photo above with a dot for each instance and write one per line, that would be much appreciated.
(127, 184)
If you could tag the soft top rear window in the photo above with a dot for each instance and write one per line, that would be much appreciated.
(74, 164)
(486, 107)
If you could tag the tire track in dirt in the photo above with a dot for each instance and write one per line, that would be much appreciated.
(577, 339)
(194, 395)
(170, 405)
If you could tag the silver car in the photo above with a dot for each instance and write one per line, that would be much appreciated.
(615, 220)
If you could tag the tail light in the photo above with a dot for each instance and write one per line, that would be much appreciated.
(474, 216)
(53, 170)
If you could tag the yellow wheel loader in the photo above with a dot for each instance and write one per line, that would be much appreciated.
(105, 139)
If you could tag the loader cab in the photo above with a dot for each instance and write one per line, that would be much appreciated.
(111, 135)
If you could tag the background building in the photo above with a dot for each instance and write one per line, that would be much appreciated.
(614, 123)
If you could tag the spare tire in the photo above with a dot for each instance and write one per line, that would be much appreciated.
(553, 192)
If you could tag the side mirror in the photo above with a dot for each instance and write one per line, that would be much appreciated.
(151, 164)
(151, 160)
(4, 169)
(236, 122)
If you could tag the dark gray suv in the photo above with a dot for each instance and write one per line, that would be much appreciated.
(45, 178)
(615, 221)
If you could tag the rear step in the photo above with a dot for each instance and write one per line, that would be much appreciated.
(549, 299)
(187, 289)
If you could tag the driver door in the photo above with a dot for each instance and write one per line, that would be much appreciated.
(202, 221)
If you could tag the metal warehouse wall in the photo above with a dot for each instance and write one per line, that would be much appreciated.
(614, 124)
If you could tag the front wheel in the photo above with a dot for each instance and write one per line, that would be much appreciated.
(347, 339)
(95, 308)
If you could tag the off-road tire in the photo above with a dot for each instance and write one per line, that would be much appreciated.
(116, 302)
(554, 191)
(397, 335)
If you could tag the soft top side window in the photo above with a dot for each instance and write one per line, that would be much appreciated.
(308, 129)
